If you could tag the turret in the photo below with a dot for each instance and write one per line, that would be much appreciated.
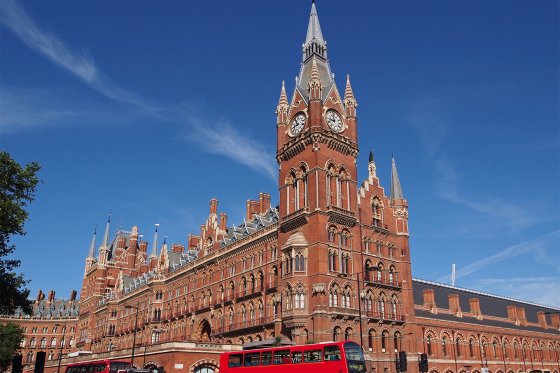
(400, 206)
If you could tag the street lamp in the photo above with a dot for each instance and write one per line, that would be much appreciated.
(134, 337)
(61, 346)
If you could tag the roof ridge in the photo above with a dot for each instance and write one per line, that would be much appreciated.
(428, 282)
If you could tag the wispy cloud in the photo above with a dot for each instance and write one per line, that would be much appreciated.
(541, 290)
(221, 138)
(77, 62)
(535, 246)
(431, 120)
(447, 187)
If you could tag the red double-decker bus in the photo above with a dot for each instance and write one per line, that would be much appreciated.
(100, 366)
(328, 357)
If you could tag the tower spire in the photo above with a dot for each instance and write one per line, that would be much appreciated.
(314, 85)
(396, 191)
(153, 254)
(349, 100)
(106, 235)
(283, 106)
(314, 34)
(314, 48)
(92, 245)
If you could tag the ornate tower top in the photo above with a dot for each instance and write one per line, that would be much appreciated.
(314, 48)
(396, 191)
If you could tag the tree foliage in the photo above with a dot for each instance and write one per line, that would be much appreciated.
(17, 190)
(10, 339)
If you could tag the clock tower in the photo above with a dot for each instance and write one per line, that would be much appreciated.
(316, 153)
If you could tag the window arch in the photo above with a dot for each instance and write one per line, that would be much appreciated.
(288, 296)
(381, 306)
(429, 345)
(345, 238)
(333, 260)
(444, 345)
(331, 234)
(205, 368)
(396, 339)
(394, 307)
(471, 347)
(336, 333)
(384, 340)
(300, 298)
(333, 296)
(291, 192)
(346, 297)
(371, 339)
(392, 275)
(458, 351)
(347, 333)
(300, 262)
(302, 187)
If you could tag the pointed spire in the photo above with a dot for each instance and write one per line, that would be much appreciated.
(314, 33)
(314, 85)
(348, 93)
(314, 47)
(92, 245)
(154, 245)
(106, 235)
(396, 191)
(283, 97)
(283, 106)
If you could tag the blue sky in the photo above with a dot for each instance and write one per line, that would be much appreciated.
(148, 110)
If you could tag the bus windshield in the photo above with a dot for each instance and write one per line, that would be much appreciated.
(354, 358)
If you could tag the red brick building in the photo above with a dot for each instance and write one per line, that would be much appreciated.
(330, 262)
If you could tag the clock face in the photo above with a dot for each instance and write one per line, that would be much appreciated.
(297, 124)
(334, 120)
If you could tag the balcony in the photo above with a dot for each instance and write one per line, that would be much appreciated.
(389, 282)
(258, 322)
(341, 216)
(294, 220)
(384, 316)
(344, 310)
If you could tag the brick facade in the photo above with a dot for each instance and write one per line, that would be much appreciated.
(331, 261)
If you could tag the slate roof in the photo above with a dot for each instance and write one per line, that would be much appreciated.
(178, 260)
(485, 322)
(490, 305)
(59, 308)
(259, 222)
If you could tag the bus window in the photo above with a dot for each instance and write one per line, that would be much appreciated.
(313, 355)
(252, 359)
(332, 353)
(234, 361)
(281, 357)
(266, 358)
(296, 357)
(354, 358)
(115, 366)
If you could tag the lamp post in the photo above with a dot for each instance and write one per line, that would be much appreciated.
(61, 346)
(135, 327)
(367, 269)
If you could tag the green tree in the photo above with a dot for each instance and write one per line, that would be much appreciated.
(17, 190)
(10, 338)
